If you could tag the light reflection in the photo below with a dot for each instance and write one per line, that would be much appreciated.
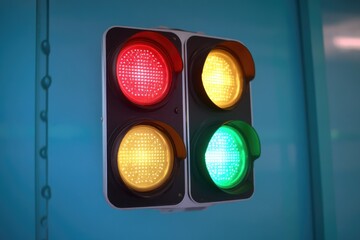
(347, 43)
(340, 34)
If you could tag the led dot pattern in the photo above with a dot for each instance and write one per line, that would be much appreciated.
(145, 158)
(143, 74)
(222, 78)
(226, 157)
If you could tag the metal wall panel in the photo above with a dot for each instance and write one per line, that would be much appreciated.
(281, 205)
(341, 21)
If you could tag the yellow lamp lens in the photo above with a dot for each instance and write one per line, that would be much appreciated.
(145, 158)
(222, 78)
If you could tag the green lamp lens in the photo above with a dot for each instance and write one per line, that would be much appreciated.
(226, 157)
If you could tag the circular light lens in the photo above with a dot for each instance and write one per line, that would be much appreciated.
(222, 78)
(143, 74)
(145, 158)
(226, 157)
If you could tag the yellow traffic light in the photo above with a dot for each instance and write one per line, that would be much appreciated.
(222, 78)
(145, 158)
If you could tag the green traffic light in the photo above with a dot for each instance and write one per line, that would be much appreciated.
(226, 157)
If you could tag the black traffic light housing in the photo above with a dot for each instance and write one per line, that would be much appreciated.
(120, 114)
(186, 116)
(205, 117)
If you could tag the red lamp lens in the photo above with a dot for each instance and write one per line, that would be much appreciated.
(143, 74)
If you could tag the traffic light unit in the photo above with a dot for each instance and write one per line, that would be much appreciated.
(176, 119)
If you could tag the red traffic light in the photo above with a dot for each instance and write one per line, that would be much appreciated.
(145, 66)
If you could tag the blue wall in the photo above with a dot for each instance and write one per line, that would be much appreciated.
(281, 205)
(17, 119)
(341, 21)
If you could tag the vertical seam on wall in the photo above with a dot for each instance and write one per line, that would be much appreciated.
(316, 213)
(42, 85)
(320, 161)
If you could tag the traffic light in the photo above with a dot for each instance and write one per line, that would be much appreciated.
(176, 119)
